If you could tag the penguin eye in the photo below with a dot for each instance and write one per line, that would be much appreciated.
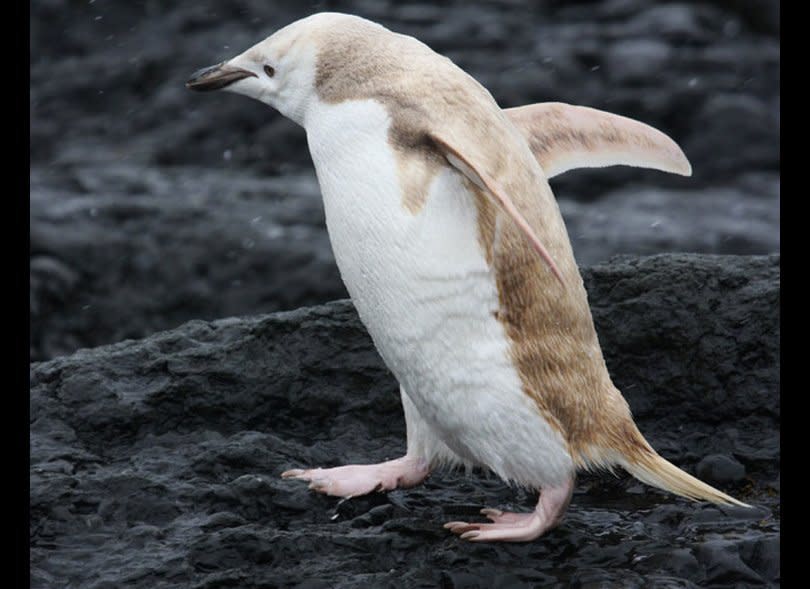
(269, 71)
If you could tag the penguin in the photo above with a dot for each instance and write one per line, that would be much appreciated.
(455, 255)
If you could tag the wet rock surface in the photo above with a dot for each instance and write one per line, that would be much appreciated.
(151, 205)
(155, 463)
(720, 469)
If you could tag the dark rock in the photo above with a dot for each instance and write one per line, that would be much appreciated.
(763, 555)
(750, 120)
(155, 463)
(720, 469)
(635, 60)
(635, 220)
(121, 252)
(723, 565)
(721, 309)
(760, 15)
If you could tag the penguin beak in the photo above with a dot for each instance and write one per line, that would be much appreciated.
(216, 77)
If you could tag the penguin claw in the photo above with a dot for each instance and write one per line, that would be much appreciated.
(506, 527)
(459, 527)
(293, 473)
(499, 532)
(506, 517)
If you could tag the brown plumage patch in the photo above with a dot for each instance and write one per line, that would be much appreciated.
(553, 340)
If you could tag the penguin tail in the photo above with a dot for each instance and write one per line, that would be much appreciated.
(649, 467)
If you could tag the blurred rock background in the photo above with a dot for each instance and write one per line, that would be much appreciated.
(151, 205)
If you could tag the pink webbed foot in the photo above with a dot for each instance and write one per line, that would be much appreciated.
(518, 527)
(354, 480)
(510, 527)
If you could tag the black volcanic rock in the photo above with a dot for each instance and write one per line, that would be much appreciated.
(719, 469)
(155, 463)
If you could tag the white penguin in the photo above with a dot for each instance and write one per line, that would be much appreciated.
(456, 257)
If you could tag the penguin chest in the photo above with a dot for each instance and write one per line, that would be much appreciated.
(424, 290)
(419, 280)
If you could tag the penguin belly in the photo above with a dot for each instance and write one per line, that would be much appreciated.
(422, 287)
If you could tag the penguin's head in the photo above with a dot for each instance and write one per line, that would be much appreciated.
(279, 71)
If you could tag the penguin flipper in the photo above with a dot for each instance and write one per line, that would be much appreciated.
(565, 137)
(489, 185)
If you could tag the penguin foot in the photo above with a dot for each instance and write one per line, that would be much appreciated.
(518, 527)
(354, 480)
(508, 527)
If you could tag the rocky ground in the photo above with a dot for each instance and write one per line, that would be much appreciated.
(156, 462)
(151, 205)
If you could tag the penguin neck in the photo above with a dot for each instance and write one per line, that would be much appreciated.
(296, 97)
